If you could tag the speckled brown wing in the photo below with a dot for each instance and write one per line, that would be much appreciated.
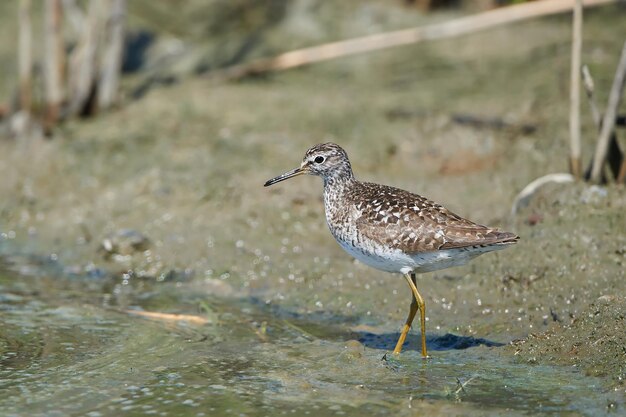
(412, 223)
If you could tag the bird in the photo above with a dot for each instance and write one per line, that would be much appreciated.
(394, 230)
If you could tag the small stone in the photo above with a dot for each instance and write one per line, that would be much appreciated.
(124, 242)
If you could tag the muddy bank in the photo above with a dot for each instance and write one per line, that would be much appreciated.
(582, 305)
(594, 341)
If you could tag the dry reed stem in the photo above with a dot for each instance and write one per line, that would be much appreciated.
(574, 110)
(25, 56)
(456, 27)
(608, 122)
(54, 61)
(112, 58)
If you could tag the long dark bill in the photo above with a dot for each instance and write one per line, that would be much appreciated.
(285, 176)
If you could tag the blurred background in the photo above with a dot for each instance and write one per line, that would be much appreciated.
(144, 267)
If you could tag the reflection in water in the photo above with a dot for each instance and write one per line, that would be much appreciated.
(64, 352)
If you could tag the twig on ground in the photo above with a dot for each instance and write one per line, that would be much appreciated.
(493, 123)
(168, 316)
(461, 385)
(524, 197)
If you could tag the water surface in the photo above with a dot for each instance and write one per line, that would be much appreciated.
(67, 347)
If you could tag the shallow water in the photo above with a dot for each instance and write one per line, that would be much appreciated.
(67, 347)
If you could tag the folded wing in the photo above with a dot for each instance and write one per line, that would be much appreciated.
(412, 223)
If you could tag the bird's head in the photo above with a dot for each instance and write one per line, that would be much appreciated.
(326, 160)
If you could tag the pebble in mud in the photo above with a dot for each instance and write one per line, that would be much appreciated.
(353, 349)
(124, 242)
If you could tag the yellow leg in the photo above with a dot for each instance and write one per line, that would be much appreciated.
(407, 325)
(416, 303)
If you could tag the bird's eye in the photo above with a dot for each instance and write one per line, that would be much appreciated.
(319, 159)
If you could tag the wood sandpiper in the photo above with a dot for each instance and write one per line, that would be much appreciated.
(394, 230)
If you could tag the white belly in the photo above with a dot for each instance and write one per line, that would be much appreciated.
(394, 260)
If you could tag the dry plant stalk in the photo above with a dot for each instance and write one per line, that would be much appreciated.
(83, 66)
(608, 122)
(574, 110)
(589, 89)
(54, 60)
(74, 16)
(25, 56)
(94, 64)
(621, 176)
(112, 58)
(615, 157)
(456, 27)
